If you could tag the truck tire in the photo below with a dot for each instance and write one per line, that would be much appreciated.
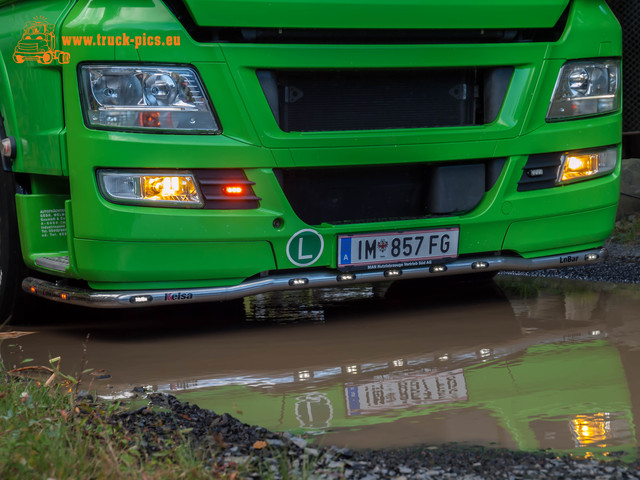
(12, 267)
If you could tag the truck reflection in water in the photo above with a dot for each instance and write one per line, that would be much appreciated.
(521, 363)
(557, 384)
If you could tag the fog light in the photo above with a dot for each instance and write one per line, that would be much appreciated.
(581, 165)
(173, 189)
(345, 277)
(141, 299)
(394, 272)
(479, 265)
(438, 269)
(178, 188)
(576, 166)
(297, 282)
(590, 257)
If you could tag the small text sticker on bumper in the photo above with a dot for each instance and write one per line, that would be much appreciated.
(396, 249)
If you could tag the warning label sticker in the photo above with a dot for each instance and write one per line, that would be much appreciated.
(53, 223)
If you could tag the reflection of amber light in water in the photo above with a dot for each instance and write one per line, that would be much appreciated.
(591, 429)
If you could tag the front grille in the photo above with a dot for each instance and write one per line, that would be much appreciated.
(356, 194)
(343, 100)
(28, 48)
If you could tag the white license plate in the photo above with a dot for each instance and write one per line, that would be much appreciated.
(396, 249)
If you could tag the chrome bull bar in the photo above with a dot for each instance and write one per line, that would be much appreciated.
(299, 279)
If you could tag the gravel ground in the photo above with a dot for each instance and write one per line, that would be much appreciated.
(229, 443)
(621, 266)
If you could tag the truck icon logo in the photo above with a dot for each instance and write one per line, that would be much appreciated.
(38, 43)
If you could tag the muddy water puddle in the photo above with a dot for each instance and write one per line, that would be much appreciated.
(520, 363)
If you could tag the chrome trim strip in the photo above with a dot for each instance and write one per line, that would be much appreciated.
(296, 280)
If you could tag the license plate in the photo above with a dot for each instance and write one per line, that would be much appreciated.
(396, 249)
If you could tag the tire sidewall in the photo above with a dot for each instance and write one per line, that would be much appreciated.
(12, 268)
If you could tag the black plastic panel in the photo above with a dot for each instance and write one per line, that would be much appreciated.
(212, 182)
(541, 171)
(359, 194)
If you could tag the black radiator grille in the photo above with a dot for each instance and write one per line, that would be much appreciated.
(356, 194)
(330, 100)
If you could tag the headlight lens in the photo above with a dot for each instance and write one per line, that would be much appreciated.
(161, 189)
(584, 164)
(586, 88)
(146, 98)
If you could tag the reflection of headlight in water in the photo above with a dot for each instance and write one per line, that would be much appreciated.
(314, 410)
(591, 429)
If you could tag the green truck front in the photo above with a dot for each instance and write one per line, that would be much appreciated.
(197, 150)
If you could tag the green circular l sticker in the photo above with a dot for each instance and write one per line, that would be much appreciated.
(305, 247)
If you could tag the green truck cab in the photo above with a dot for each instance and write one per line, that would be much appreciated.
(189, 150)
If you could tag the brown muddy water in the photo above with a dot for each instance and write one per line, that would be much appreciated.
(523, 363)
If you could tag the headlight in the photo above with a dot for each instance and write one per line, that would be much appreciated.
(586, 88)
(145, 98)
(160, 189)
